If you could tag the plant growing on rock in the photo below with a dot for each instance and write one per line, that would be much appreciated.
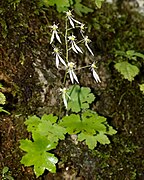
(79, 120)
(126, 68)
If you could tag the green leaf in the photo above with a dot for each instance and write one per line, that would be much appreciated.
(139, 55)
(38, 156)
(102, 138)
(128, 70)
(80, 8)
(32, 123)
(93, 121)
(2, 98)
(46, 126)
(99, 3)
(50, 118)
(72, 123)
(80, 98)
(111, 131)
(89, 139)
(141, 87)
(53, 132)
(5, 170)
(130, 54)
(89, 126)
(62, 5)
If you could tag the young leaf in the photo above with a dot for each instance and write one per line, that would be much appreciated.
(80, 8)
(128, 70)
(38, 156)
(80, 98)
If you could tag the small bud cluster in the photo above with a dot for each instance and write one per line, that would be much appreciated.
(71, 40)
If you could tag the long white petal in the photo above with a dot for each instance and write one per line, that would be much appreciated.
(57, 61)
(64, 100)
(52, 37)
(76, 21)
(71, 76)
(73, 47)
(95, 75)
(75, 77)
(89, 49)
(71, 22)
(57, 36)
(77, 48)
(62, 61)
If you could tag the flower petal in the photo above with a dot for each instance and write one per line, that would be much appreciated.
(95, 75)
(64, 100)
(52, 37)
(73, 47)
(57, 36)
(76, 20)
(57, 60)
(89, 48)
(75, 77)
(71, 76)
(71, 22)
(62, 61)
(77, 48)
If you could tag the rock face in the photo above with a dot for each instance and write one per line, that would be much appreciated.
(137, 5)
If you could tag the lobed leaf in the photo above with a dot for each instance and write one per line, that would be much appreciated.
(32, 123)
(80, 8)
(89, 139)
(62, 5)
(90, 128)
(128, 70)
(38, 156)
(80, 98)
(49, 117)
(53, 132)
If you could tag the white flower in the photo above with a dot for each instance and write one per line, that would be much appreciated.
(54, 33)
(64, 94)
(71, 19)
(58, 57)
(73, 77)
(82, 28)
(95, 75)
(87, 40)
(74, 45)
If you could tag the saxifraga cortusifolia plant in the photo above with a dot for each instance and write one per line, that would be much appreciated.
(82, 123)
(71, 44)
